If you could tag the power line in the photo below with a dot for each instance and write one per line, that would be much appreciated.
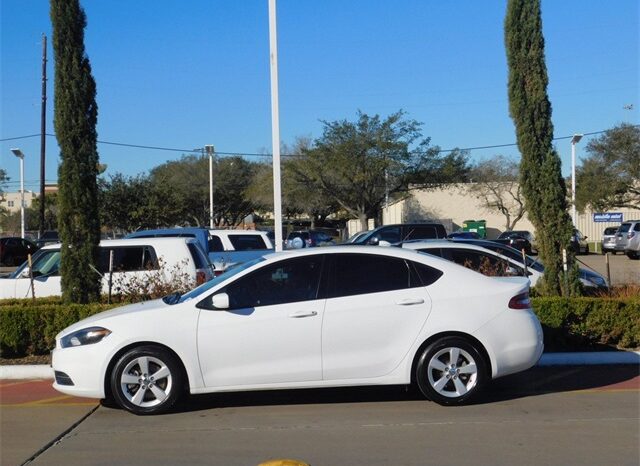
(249, 154)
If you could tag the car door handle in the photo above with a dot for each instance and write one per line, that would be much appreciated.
(299, 314)
(410, 301)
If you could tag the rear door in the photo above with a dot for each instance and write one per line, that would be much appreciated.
(375, 310)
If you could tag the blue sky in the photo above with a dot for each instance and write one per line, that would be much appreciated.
(185, 74)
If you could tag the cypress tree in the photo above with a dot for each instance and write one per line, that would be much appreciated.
(75, 118)
(543, 187)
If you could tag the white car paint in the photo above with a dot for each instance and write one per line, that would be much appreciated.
(173, 253)
(367, 339)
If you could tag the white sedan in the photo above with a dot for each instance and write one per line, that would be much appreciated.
(320, 317)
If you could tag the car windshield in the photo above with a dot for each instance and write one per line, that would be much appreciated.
(45, 265)
(230, 272)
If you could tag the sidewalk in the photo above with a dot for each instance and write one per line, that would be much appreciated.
(23, 372)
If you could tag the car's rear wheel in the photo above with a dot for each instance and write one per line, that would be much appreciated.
(451, 371)
(147, 380)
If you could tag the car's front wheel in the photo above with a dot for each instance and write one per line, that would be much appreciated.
(147, 380)
(450, 371)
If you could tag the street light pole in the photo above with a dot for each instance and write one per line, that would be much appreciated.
(275, 125)
(18, 153)
(210, 150)
(574, 140)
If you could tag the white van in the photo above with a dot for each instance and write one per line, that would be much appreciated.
(132, 258)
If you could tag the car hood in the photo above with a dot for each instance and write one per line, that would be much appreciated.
(128, 309)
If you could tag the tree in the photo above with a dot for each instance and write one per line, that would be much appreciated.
(75, 118)
(358, 164)
(540, 175)
(3, 181)
(609, 177)
(495, 183)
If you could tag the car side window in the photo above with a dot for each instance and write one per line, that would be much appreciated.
(247, 242)
(427, 275)
(215, 244)
(485, 264)
(420, 232)
(354, 274)
(391, 234)
(128, 259)
(637, 227)
(286, 281)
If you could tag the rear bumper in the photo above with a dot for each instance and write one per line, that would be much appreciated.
(516, 341)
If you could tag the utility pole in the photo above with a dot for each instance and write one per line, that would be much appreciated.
(211, 151)
(43, 142)
(275, 125)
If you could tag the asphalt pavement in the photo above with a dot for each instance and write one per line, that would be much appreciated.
(584, 415)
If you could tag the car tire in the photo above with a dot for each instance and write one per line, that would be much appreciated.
(451, 371)
(633, 255)
(147, 380)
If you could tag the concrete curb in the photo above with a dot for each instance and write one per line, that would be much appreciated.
(19, 372)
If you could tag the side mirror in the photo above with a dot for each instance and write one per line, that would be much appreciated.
(384, 243)
(374, 240)
(220, 301)
(25, 273)
(584, 237)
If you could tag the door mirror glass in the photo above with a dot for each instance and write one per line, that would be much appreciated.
(374, 240)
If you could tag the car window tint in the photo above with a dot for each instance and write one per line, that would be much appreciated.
(198, 256)
(48, 263)
(391, 234)
(128, 259)
(637, 227)
(355, 274)
(485, 264)
(432, 251)
(427, 275)
(420, 232)
(287, 281)
(215, 244)
(247, 242)
(624, 228)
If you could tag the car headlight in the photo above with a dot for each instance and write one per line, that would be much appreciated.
(86, 336)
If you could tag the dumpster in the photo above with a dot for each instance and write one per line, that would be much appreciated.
(476, 226)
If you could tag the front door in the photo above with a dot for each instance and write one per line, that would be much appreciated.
(271, 332)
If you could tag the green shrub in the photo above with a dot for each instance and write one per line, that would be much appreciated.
(30, 328)
(572, 324)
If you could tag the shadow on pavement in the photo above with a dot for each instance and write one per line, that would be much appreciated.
(535, 381)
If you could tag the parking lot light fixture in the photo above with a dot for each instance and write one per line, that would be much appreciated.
(574, 140)
(18, 153)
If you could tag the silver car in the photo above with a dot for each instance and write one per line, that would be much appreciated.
(632, 236)
(624, 234)
(609, 240)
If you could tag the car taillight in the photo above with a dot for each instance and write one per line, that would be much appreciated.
(217, 272)
(201, 277)
(520, 301)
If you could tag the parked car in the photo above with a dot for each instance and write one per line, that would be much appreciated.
(344, 326)
(609, 240)
(632, 245)
(308, 239)
(579, 242)
(591, 280)
(132, 258)
(464, 235)
(356, 236)
(14, 250)
(484, 261)
(225, 248)
(515, 240)
(390, 234)
(48, 237)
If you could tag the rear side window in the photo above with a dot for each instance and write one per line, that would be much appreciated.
(354, 274)
(485, 264)
(247, 242)
(427, 275)
(198, 256)
(215, 244)
(128, 259)
(637, 227)
(610, 230)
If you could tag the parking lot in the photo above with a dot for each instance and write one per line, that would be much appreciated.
(623, 270)
(553, 415)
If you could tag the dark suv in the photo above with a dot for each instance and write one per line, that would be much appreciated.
(402, 232)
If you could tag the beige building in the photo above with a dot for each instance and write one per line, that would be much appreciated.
(11, 200)
(454, 204)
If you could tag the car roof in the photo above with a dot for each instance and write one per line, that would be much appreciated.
(133, 242)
